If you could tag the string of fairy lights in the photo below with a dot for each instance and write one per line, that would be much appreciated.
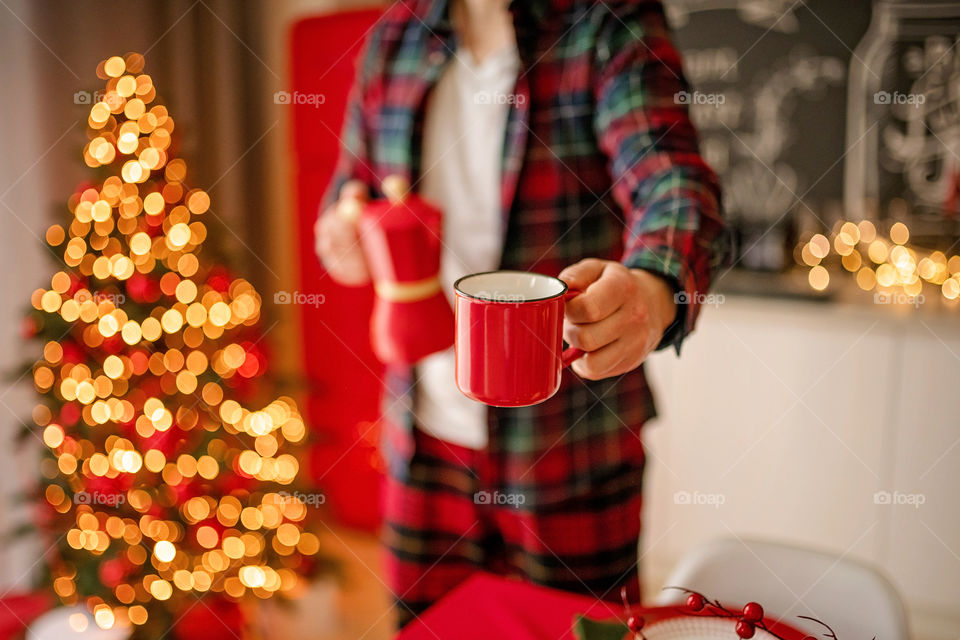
(161, 482)
(879, 262)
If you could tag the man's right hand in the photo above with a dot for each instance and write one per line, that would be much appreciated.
(337, 240)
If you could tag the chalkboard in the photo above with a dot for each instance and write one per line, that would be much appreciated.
(769, 80)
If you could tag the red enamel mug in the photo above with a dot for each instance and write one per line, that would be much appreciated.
(509, 337)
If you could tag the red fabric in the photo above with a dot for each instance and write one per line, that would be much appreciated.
(342, 372)
(488, 607)
(16, 612)
(210, 618)
(453, 517)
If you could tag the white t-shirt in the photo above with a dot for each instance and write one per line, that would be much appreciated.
(464, 129)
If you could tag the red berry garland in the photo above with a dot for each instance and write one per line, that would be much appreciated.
(696, 602)
(752, 612)
(634, 621)
(748, 620)
(745, 629)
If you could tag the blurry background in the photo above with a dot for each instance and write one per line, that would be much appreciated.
(816, 402)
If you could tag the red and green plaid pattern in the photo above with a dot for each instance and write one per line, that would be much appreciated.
(599, 161)
(443, 522)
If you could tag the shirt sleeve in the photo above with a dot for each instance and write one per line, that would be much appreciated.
(669, 196)
(353, 162)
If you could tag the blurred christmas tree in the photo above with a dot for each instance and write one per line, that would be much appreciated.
(159, 486)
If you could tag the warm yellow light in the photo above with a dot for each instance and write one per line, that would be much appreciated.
(104, 617)
(819, 246)
(172, 321)
(78, 622)
(877, 251)
(132, 171)
(886, 275)
(131, 332)
(114, 66)
(50, 301)
(233, 547)
(899, 233)
(164, 551)
(161, 589)
(819, 278)
(219, 314)
(153, 203)
(140, 243)
(53, 436)
(137, 614)
(253, 577)
(950, 289)
(178, 236)
(852, 261)
(127, 143)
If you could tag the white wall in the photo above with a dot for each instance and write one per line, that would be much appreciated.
(794, 414)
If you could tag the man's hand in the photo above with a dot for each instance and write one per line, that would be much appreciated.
(618, 319)
(336, 241)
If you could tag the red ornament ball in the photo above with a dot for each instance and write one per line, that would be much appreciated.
(745, 629)
(752, 612)
(696, 602)
(635, 623)
(112, 572)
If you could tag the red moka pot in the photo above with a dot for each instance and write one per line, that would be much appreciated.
(411, 316)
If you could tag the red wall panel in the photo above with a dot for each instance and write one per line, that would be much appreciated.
(342, 373)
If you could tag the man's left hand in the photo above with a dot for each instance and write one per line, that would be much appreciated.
(618, 319)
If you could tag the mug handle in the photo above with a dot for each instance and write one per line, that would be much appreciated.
(570, 354)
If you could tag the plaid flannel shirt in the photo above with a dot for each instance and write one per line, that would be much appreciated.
(599, 160)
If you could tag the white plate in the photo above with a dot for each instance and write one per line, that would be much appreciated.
(698, 628)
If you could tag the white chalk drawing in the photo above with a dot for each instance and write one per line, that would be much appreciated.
(746, 137)
(776, 15)
(921, 138)
(903, 118)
